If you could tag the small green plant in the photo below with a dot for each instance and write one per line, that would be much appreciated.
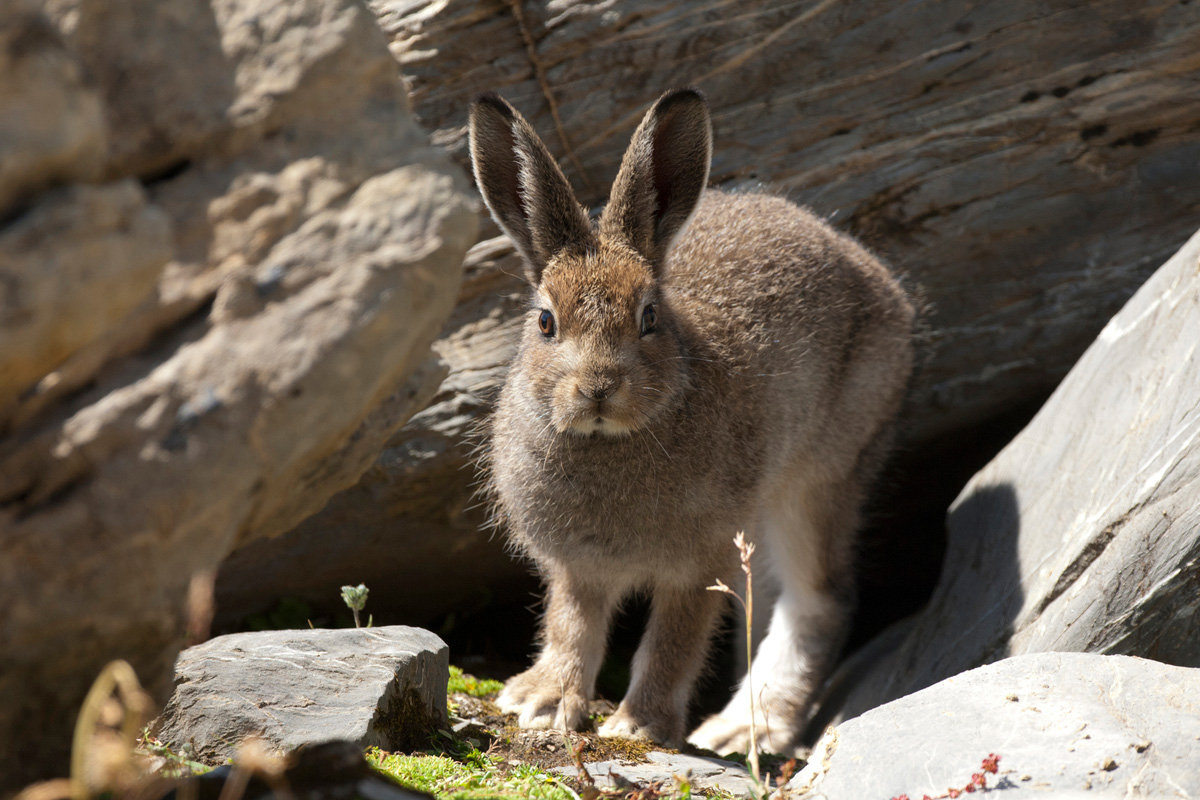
(174, 764)
(355, 598)
(462, 683)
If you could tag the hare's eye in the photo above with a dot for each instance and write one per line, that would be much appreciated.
(546, 323)
(649, 318)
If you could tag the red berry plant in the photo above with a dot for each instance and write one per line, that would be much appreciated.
(978, 782)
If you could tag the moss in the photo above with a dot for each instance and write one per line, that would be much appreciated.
(632, 750)
(462, 683)
(471, 776)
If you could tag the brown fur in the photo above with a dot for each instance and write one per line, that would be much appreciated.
(762, 401)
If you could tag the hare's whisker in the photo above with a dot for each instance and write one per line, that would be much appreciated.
(660, 446)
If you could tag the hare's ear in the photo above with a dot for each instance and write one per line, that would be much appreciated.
(523, 187)
(662, 175)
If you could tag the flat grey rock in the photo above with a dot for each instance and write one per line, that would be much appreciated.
(703, 773)
(373, 686)
(1069, 724)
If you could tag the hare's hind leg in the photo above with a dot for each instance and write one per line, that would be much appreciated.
(555, 691)
(668, 662)
(809, 531)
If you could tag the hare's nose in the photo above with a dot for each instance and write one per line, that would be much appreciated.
(600, 388)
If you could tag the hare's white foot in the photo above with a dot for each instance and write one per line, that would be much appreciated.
(540, 700)
(729, 732)
(627, 724)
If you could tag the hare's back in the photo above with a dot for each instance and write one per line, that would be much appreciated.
(768, 268)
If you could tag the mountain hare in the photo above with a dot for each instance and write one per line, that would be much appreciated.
(696, 364)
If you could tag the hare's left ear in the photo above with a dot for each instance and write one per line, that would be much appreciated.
(527, 193)
(662, 176)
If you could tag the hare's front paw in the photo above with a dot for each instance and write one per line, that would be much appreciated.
(731, 734)
(628, 724)
(540, 700)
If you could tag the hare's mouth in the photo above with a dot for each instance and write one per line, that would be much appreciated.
(599, 425)
(611, 416)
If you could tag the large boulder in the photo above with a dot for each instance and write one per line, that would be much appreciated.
(1063, 724)
(376, 687)
(74, 266)
(263, 299)
(51, 120)
(1083, 534)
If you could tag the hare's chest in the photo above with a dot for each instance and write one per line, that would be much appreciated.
(618, 507)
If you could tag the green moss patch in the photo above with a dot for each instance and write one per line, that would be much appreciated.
(475, 776)
(462, 683)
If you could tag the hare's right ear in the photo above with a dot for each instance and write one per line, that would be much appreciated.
(527, 193)
(662, 176)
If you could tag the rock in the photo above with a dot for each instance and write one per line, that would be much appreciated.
(989, 151)
(417, 499)
(1070, 724)
(73, 267)
(376, 687)
(166, 82)
(1083, 534)
(314, 117)
(51, 121)
(317, 248)
(185, 80)
(707, 774)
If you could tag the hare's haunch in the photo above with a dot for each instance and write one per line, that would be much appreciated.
(697, 364)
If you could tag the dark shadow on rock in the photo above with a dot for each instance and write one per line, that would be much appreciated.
(967, 623)
(902, 546)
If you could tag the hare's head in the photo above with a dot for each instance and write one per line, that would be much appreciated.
(601, 348)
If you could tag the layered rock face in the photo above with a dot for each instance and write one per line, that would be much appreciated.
(226, 248)
(1028, 168)
(412, 528)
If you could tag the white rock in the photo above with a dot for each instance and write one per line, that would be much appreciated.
(1077, 724)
